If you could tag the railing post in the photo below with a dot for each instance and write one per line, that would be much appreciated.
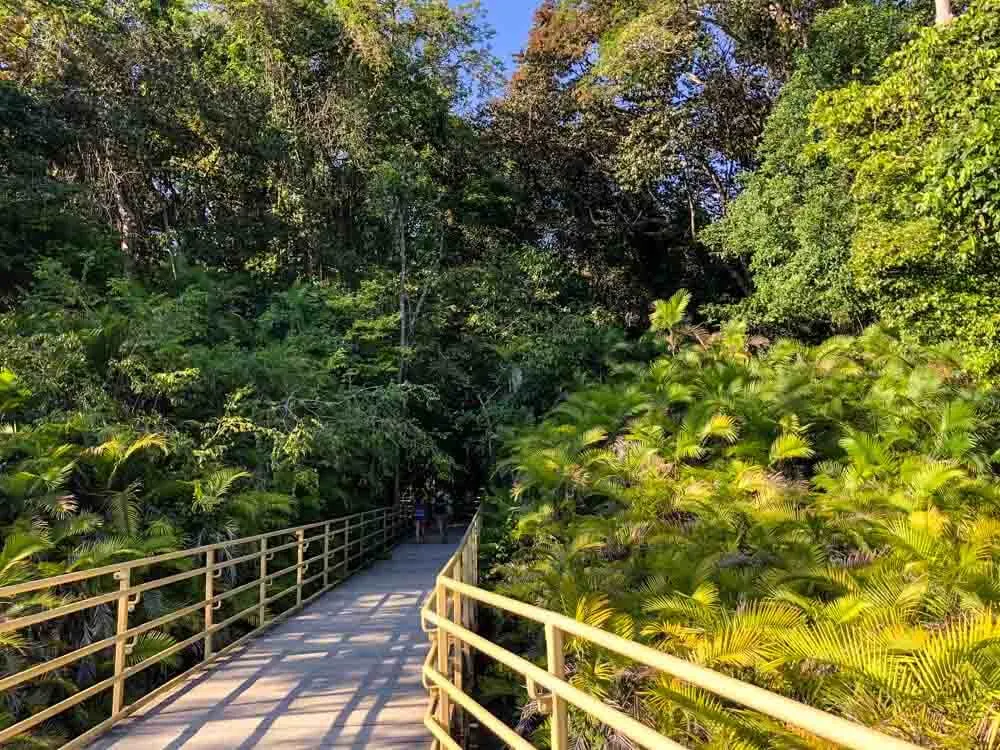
(468, 565)
(209, 593)
(118, 692)
(300, 537)
(456, 609)
(347, 547)
(557, 668)
(474, 614)
(263, 581)
(385, 531)
(326, 554)
(365, 541)
(444, 702)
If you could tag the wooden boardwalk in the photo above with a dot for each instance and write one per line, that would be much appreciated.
(343, 673)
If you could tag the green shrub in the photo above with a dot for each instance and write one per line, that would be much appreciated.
(822, 521)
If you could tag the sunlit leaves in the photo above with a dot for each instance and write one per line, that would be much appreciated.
(211, 491)
(114, 454)
(821, 521)
(668, 314)
(924, 218)
(795, 218)
(721, 427)
(15, 556)
(790, 446)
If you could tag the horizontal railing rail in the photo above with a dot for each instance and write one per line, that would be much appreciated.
(348, 543)
(449, 616)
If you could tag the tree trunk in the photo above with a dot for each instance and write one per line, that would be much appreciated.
(125, 219)
(127, 230)
(403, 306)
(942, 12)
(403, 299)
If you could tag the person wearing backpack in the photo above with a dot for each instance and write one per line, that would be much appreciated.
(441, 507)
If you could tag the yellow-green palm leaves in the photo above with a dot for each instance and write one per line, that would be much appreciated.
(823, 521)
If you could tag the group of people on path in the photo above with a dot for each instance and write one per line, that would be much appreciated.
(434, 503)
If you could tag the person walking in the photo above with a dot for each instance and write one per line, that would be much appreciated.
(420, 518)
(442, 513)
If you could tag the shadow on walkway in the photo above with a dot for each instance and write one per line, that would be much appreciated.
(343, 673)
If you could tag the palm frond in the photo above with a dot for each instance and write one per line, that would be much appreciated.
(788, 446)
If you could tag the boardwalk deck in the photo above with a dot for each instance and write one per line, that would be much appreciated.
(343, 673)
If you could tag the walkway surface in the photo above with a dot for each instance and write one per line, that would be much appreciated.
(343, 673)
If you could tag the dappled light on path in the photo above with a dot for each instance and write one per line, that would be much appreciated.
(344, 673)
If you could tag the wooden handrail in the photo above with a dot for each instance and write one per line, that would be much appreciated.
(448, 616)
(42, 583)
(376, 529)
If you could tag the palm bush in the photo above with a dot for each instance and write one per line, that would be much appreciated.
(821, 521)
(79, 494)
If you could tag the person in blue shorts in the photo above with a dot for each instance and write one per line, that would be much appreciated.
(420, 518)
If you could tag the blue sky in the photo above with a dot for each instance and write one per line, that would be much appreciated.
(511, 19)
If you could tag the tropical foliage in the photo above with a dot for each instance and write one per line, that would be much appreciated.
(822, 521)
(255, 271)
(921, 143)
(874, 199)
(795, 218)
(264, 262)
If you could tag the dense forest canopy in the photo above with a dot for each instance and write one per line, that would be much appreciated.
(267, 261)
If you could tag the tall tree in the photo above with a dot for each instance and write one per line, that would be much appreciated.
(919, 144)
(942, 12)
(794, 220)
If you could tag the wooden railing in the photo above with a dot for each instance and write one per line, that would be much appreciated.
(450, 615)
(348, 543)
